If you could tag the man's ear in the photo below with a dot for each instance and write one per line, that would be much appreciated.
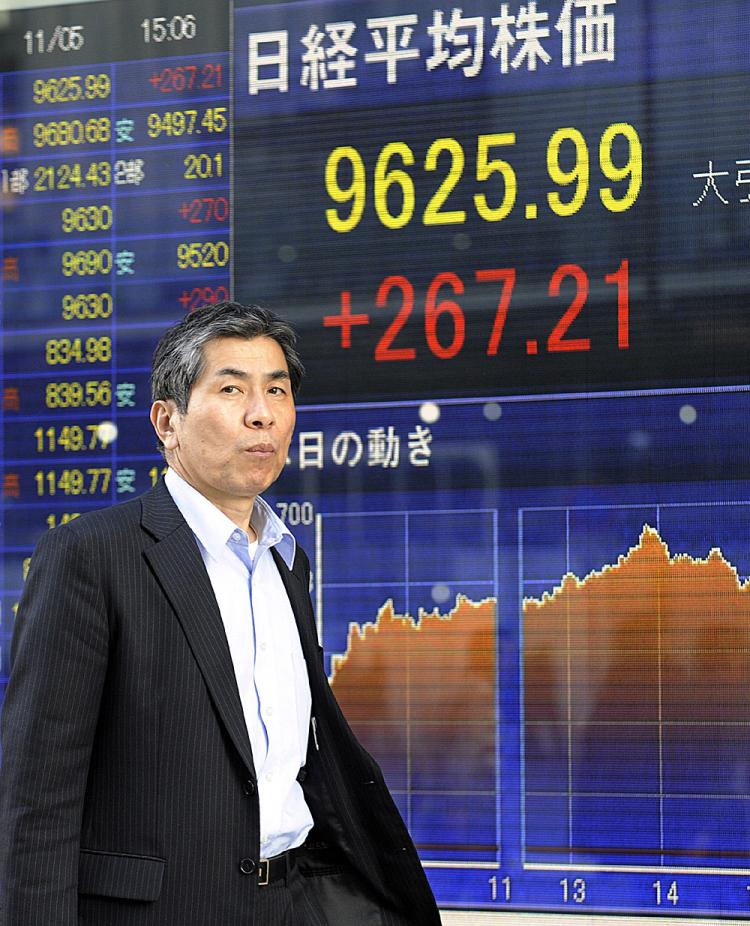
(164, 417)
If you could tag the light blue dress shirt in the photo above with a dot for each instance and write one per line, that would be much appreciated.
(266, 652)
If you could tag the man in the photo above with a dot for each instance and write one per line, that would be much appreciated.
(173, 754)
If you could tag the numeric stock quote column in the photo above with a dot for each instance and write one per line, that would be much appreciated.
(115, 182)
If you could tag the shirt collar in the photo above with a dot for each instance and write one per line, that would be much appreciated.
(213, 528)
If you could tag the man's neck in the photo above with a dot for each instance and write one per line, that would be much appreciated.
(239, 511)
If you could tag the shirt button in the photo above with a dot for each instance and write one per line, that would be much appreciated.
(247, 866)
(249, 787)
(264, 647)
(269, 776)
(269, 711)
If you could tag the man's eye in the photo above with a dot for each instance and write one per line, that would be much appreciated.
(277, 390)
(230, 389)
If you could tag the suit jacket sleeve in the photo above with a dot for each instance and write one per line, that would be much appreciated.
(58, 666)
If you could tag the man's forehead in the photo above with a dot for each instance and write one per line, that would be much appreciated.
(251, 355)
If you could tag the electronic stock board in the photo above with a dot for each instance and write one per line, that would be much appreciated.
(513, 239)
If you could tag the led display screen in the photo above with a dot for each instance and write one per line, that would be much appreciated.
(513, 239)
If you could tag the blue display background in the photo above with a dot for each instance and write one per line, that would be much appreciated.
(486, 456)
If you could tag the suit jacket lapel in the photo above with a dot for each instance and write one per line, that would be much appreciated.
(178, 566)
(299, 598)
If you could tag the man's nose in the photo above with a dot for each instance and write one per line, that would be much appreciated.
(258, 412)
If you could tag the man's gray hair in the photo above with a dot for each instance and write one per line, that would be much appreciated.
(179, 359)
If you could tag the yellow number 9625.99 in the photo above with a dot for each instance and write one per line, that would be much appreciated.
(393, 178)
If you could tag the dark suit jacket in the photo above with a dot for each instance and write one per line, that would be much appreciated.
(127, 791)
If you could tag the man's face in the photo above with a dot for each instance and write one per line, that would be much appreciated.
(232, 442)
